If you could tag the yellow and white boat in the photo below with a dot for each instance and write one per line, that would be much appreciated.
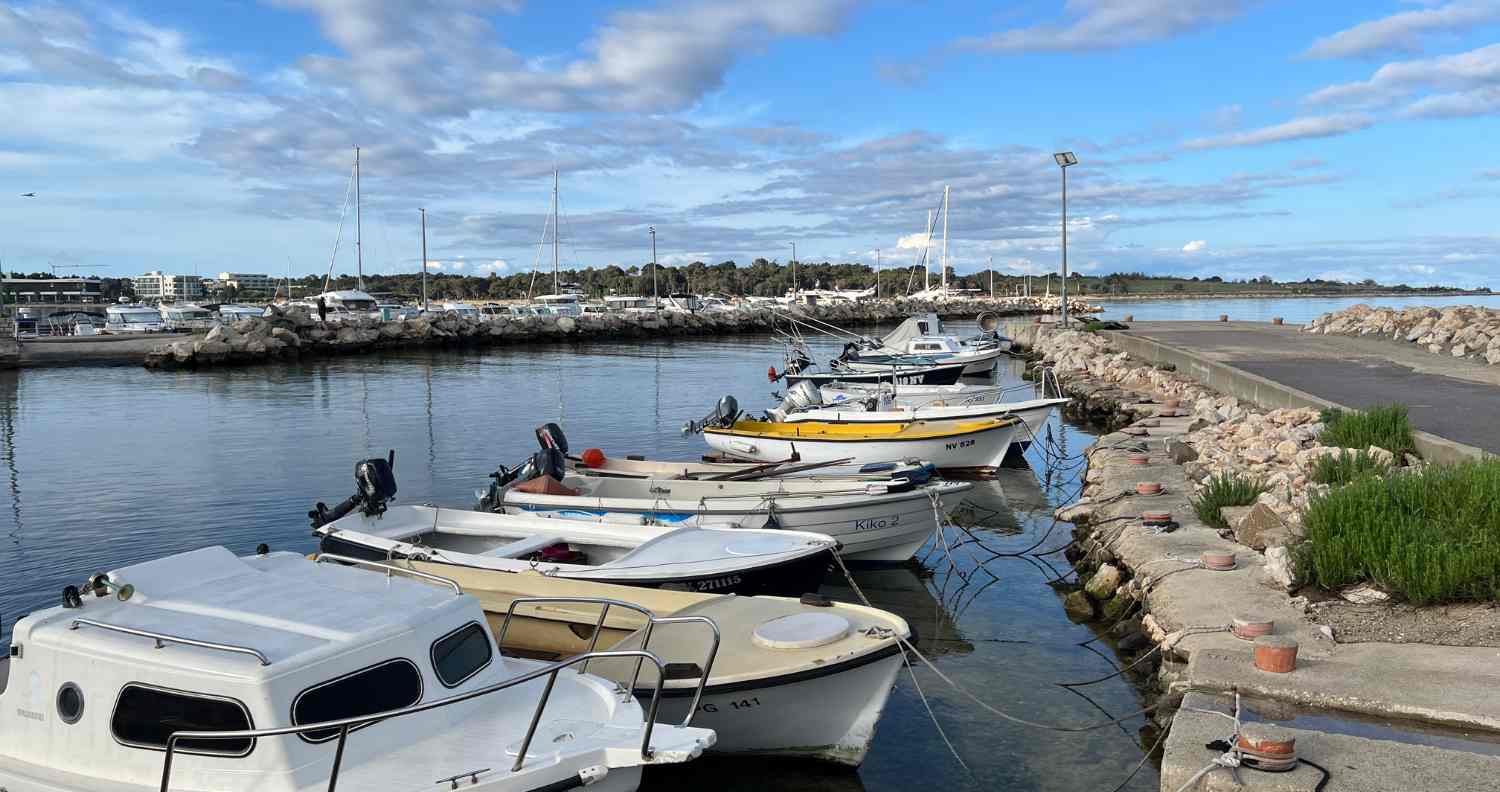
(975, 446)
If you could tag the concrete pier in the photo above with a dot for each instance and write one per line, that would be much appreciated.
(1452, 400)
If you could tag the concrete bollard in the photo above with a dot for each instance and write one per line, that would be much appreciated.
(1248, 628)
(1148, 488)
(1217, 560)
(1276, 654)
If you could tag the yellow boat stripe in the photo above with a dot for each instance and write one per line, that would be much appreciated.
(857, 432)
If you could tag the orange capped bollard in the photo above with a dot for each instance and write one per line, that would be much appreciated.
(593, 458)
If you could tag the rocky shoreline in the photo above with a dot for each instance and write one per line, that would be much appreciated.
(1152, 582)
(294, 332)
(1461, 331)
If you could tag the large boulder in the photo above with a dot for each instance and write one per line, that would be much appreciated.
(299, 316)
(1079, 607)
(1103, 584)
(286, 336)
(1261, 527)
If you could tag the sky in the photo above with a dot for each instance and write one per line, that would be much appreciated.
(1341, 140)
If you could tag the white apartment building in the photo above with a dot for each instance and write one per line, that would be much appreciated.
(248, 282)
(156, 286)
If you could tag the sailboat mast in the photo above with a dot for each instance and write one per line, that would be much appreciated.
(926, 258)
(359, 250)
(424, 258)
(945, 239)
(555, 229)
(877, 273)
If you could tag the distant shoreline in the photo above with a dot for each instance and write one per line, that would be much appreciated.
(1092, 298)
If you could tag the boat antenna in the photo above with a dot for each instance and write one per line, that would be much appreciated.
(424, 258)
(359, 249)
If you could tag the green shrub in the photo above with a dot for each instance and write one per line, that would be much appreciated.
(1223, 490)
(1431, 535)
(1343, 468)
(1386, 427)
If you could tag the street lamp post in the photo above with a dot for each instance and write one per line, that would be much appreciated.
(795, 290)
(655, 298)
(1065, 159)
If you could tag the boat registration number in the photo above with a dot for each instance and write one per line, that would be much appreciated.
(960, 444)
(713, 584)
(876, 523)
(742, 704)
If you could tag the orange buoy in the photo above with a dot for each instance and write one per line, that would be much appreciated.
(771, 374)
(593, 458)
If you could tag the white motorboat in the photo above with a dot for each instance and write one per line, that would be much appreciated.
(920, 339)
(344, 305)
(273, 672)
(881, 521)
(186, 317)
(125, 318)
(738, 560)
(791, 678)
(858, 403)
(593, 462)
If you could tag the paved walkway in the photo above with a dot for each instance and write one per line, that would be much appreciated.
(1453, 398)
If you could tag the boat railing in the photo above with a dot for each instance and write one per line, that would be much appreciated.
(345, 725)
(162, 639)
(652, 620)
(390, 569)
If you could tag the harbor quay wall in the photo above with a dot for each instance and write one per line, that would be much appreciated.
(1141, 553)
(294, 333)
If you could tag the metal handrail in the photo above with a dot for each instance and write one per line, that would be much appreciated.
(345, 725)
(651, 621)
(389, 569)
(162, 638)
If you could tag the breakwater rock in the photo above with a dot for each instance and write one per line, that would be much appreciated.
(1460, 330)
(295, 332)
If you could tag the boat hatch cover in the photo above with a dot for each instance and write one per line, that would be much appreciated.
(756, 545)
(801, 631)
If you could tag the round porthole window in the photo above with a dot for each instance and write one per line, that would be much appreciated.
(69, 703)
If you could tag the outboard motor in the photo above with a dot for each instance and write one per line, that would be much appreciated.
(545, 462)
(801, 396)
(375, 486)
(550, 435)
(725, 413)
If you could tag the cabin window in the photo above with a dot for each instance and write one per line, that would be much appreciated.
(461, 654)
(146, 716)
(391, 685)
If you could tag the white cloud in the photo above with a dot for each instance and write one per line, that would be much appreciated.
(1194, 246)
(918, 241)
(1463, 70)
(1403, 32)
(1110, 24)
(494, 267)
(1296, 129)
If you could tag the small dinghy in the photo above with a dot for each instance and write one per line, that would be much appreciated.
(791, 678)
(975, 446)
(927, 374)
(874, 520)
(593, 462)
(727, 560)
(861, 404)
(275, 673)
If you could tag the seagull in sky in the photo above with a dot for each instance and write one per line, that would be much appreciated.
(28, 195)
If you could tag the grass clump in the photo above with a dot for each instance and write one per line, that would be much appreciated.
(1342, 468)
(1431, 536)
(1225, 489)
(1385, 427)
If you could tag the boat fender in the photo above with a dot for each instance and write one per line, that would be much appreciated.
(771, 375)
(816, 600)
(593, 458)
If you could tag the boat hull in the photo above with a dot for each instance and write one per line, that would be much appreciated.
(870, 531)
(791, 578)
(979, 452)
(935, 375)
(1034, 417)
(772, 717)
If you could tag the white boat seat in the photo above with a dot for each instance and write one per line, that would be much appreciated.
(523, 547)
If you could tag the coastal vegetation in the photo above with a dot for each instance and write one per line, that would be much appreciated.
(1431, 535)
(1342, 468)
(1225, 489)
(1386, 426)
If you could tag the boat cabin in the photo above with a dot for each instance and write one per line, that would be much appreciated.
(186, 316)
(133, 319)
(208, 641)
(462, 309)
(559, 304)
(347, 304)
(231, 313)
(626, 302)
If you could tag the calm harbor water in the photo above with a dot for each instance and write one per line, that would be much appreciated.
(109, 466)
(1299, 310)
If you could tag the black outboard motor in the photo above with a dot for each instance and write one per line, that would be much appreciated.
(547, 461)
(550, 435)
(851, 351)
(375, 486)
(725, 413)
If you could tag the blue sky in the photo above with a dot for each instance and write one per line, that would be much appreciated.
(1232, 137)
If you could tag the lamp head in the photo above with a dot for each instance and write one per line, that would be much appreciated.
(1065, 158)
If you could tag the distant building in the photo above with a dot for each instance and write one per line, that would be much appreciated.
(158, 287)
(247, 282)
(52, 290)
